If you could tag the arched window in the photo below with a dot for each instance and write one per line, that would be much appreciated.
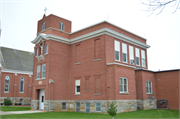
(6, 87)
(61, 26)
(22, 85)
(40, 49)
(44, 26)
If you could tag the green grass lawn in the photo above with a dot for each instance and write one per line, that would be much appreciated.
(14, 108)
(137, 114)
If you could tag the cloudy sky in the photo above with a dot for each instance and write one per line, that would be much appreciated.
(19, 24)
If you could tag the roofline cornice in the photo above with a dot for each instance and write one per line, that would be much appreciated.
(17, 71)
(90, 35)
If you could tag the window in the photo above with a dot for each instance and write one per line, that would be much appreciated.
(43, 70)
(148, 87)
(117, 50)
(36, 51)
(6, 86)
(77, 87)
(87, 107)
(61, 26)
(97, 52)
(63, 106)
(131, 55)
(124, 50)
(77, 107)
(40, 49)
(123, 85)
(77, 53)
(44, 26)
(87, 84)
(22, 85)
(38, 71)
(47, 49)
(143, 58)
(137, 57)
(98, 107)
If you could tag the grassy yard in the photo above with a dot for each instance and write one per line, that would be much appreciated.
(136, 114)
(14, 108)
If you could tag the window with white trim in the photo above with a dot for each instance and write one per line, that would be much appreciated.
(77, 87)
(38, 72)
(46, 49)
(143, 58)
(43, 70)
(149, 87)
(124, 52)
(123, 85)
(98, 107)
(137, 57)
(117, 50)
(131, 55)
(61, 26)
(36, 51)
(22, 85)
(6, 86)
(44, 26)
(63, 106)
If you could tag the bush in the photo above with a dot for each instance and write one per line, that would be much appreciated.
(112, 110)
(7, 101)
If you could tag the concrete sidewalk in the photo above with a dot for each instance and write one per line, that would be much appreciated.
(19, 112)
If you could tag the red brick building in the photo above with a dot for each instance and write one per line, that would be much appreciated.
(87, 69)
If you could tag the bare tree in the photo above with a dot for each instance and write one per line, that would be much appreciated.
(159, 5)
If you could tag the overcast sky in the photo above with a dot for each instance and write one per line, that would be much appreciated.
(19, 24)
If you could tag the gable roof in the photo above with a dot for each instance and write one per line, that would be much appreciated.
(14, 59)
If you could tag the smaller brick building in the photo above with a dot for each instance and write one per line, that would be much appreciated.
(16, 75)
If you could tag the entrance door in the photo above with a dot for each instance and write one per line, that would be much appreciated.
(41, 99)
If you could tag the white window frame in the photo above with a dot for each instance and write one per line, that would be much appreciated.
(131, 55)
(116, 49)
(6, 78)
(123, 85)
(143, 58)
(77, 83)
(98, 106)
(37, 52)
(147, 87)
(22, 79)
(62, 106)
(61, 26)
(44, 25)
(46, 49)
(43, 71)
(124, 51)
(38, 71)
(137, 56)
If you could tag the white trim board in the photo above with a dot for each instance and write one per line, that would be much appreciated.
(16, 71)
(120, 64)
(90, 35)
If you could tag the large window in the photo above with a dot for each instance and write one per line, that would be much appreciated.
(46, 48)
(44, 26)
(117, 50)
(143, 58)
(22, 85)
(61, 26)
(6, 86)
(137, 57)
(98, 107)
(77, 87)
(123, 85)
(148, 87)
(131, 55)
(43, 70)
(77, 107)
(124, 51)
(38, 71)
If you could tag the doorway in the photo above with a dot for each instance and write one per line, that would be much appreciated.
(41, 99)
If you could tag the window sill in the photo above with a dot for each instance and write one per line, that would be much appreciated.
(77, 63)
(77, 94)
(6, 92)
(125, 62)
(87, 90)
(149, 93)
(127, 93)
(97, 93)
(97, 59)
(41, 79)
(117, 60)
(21, 92)
(45, 53)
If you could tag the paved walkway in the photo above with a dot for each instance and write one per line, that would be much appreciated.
(19, 112)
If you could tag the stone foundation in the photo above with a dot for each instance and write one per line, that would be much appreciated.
(17, 100)
(146, 104)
